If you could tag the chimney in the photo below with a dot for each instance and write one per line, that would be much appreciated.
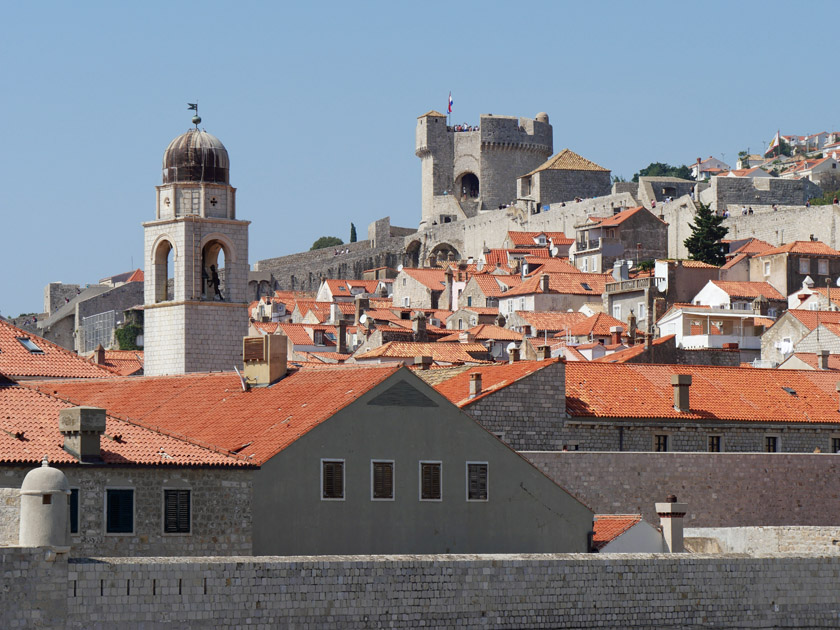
(475, 384)
(616, 271)
(335, 314)
(82, 428)
(362, 304)
(448, 291)
(671, 516)
(99, 355)
(418, 325)
(264, 358)
(544, 282)
(466, 337)
(615, 335)
(681, 384)
(543, 353)
(822, 359)
(342, 337)
(513, 355)
(424, 363)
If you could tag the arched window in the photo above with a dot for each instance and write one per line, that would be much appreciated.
(164, 289)
(213, 285)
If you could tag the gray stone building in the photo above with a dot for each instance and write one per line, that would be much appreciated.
(782, 338)
(786, 267)
(563, 177)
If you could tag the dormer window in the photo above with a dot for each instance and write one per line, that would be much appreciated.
(27, 343)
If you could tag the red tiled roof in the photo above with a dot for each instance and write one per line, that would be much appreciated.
(550, 265)
(137, 276)
(619, 218)
(440, 352)
(810, 319)
(810, 358)
(124, 362)
(622, 356)
(625, 390)
(566, 283)
(526, 239)
(597, 324)
(53, 362)
(479, 310)
(484, 332)
(434, 279)
(734, 261)
(608, 527)
(213, 409)
(503, 256)
(748, 289)
(34, 416)
(803, 247)
(490, 284)
(493, 378)
(551, 320)
(301, 334)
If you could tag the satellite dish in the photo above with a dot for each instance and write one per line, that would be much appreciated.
(363, 318)
(480, 265)
(554, 251)
(511, 346)
(399, 267)
(838, 282)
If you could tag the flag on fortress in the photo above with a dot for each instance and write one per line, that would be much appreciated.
(776, 144)
(450, 102)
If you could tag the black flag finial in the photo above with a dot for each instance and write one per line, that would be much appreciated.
(196, 119)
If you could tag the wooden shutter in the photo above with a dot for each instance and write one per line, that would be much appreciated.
(333, 473)
(176, 511)
(478, 482)
(430, 481)
(383, 480)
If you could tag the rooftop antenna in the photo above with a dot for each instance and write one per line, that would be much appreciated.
(195, 119)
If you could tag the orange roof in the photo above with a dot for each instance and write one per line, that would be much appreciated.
(734, 261)
(810, 319)
(697, 264)
(137, 276)
(527, 239)
(568, 283)
(343, 287)
(484, 332)
(33, 415)
(748, 289)
(493, 378)
(597, 324)
(502, 256)
(551, 320)
(479, 310)
(124, 362)
(491, 285)
(550, 265)
(803, 247)
(434, 279)
(753, 246)
(212, 408)
(448, 352)
(621, 217)
(53, 361)
(567, 160)
(627, 390)
(301, 334)
(810, 358)
(608, 527)
(622, 356)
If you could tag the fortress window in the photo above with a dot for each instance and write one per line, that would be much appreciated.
(660, 443)
(74, 510)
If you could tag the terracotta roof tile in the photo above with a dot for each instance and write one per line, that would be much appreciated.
(486, 332)
(493, 378)
(551, 321)
(491, 285)
(810, 319)
(567, 283)
(608, 527)
(735, 260)
(748, 289)
(124, 362)
(622, 356)
(619, 218)
(810, 358)
(803, 247)
(440, 352)
(567, 160)
(503, 256)
(597, 324)
(434, 279)
(550, 265)
(527, 239)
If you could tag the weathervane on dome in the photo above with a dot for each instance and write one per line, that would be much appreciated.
(196, 119)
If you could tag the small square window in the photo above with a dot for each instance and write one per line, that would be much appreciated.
(382, 480)
(27, 343)
(477, 477)
(822, 267)
(430, 481)
(74, 510)
(715, 443)
(804, 265)
(771, 444)
(332, 479)
(176, 511)
(660, 443)
(119, 511)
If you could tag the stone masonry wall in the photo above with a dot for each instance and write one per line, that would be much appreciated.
(503, 591)
(55, 294)
(726, 192)
(759, 540)
(721, 489)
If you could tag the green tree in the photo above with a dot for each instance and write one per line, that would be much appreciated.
(352, 233)
(706, 233)
(660, 169)
(326, 241)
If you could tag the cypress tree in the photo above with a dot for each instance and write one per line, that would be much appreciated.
(352, 233)
(706, 233)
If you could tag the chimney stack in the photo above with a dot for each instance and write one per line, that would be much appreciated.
(681, 383)
(424, 363)
(671, 516)
(543, 353)
(822, 359)
(99, 355)
(342, 337)
(264, 358)
(513, 355)
(475, 384)
(362, 304)
(544, 282)
(82, 428)
(418, 325)
(615, 335)
(466, 336)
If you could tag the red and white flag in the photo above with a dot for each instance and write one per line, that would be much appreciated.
(450, 103)
(776, 144)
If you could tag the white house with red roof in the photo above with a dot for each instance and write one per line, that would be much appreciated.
(553, 292)
(626, 533)
(741, 296)
(711, 166)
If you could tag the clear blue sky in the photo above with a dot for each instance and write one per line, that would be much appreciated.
(317, 103)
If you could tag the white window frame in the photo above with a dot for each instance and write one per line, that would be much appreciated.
(406, 301)
(616, 311)
(420, 480)
(343, 479)
(805, 264)
(766, 267)
(467, 482)
(105, 511)
(584, 263)
(393, 479)
(163, 510)
(640, 310)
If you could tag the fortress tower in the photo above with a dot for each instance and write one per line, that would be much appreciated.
(196, 262)
(468, 171)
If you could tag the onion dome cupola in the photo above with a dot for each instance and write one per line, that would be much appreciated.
(196, 156)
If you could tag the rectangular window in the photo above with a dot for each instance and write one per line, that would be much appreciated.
(406, 301)
(521, 304)
(477, 475)
(835, 445)
(804, 265)
(176, 511)
(660, 443)
(617, 311)
(74, 510)
(766, 267)
(119, 511)
(771, 444)
(594, 264)
(822, 267)
(332, 479)
(382, 480)
(584, 264)
(714, 444)
(640, 313)
(431, 481)
(469, 300)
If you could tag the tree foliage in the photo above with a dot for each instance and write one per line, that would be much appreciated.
(707, 231)
(126, 336)
(660, 169)
(352, 233)
(326, 241)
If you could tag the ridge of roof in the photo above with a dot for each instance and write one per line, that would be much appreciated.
(567, 160)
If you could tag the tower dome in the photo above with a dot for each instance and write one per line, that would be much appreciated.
(196, 156)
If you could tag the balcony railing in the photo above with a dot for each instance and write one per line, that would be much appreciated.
(629, 285)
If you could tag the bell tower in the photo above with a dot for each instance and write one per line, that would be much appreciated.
(196, 262)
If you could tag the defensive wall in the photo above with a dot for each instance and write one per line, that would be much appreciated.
(729, 192)
(487, 591)
(721, 489)
(758, 540)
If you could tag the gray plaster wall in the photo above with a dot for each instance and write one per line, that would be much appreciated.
(220, 510)
(525, 512)
(721, 489)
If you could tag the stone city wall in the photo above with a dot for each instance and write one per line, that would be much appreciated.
(55, 294)
(487, 591)
(721, 489)
(728, 192)
(761, 540)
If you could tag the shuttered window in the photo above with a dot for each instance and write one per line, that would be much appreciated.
(332, 479)
(476, 481)
(119, 511)
(176, 511)
(382, 480)
(74, 511)
(430, 481)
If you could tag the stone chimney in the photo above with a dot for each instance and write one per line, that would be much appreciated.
(631, 326)
(449, 290)
(424, 363)
(544, 282)
(418, 325)
(822, 359)
(99, 355)
(615, 335)
(264, 358)
(543, 353)
(342, 337)
(466, 337)
(500, 320)
(671, 516)
(82, 428)
(681, 384)
(475, 384)
(621, 271)
(513, 355)
(335, 314)
(760, 305)
(362, 304)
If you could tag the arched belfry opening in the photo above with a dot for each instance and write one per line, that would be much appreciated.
(163, 267)
(468, 186)
(214, 255)
(412, 254)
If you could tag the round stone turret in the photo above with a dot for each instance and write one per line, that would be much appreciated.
(43, 507)
(542, 117)
(196, 156)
